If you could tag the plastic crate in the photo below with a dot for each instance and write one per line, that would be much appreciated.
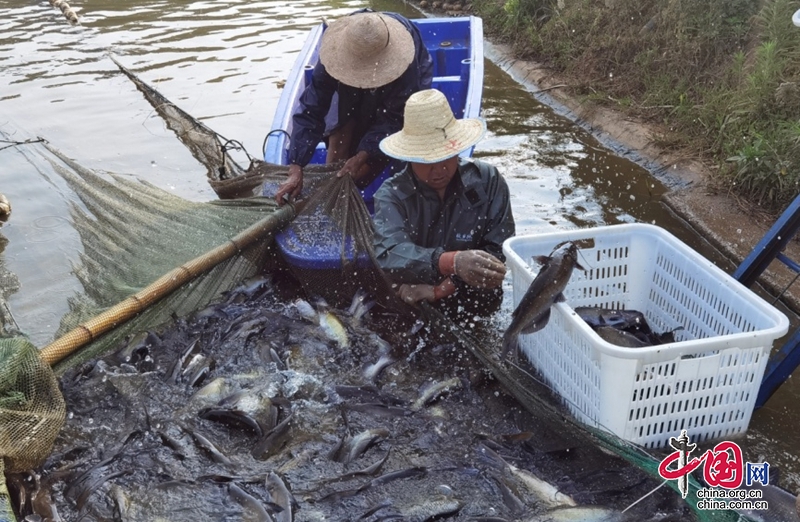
(705, 382)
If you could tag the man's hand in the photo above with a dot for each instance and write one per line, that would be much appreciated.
(292, 186)
(357, 166)
(479, 268)
(413, 294)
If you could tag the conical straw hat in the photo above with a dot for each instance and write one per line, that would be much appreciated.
(430, 131)
(366, 50)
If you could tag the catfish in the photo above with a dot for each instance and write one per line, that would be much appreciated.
(533, 311)
(620, 337)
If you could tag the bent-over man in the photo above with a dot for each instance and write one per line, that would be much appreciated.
(369, 64)
(440, 223)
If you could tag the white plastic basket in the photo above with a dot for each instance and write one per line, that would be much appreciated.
(705, 382)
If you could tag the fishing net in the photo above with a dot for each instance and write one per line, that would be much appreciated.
(148, 257)
(228, 179)
(214, 245)
(31, 407)
(336, 220)
(208, 147)
(32, 412)
(133, 232)
(122, 223)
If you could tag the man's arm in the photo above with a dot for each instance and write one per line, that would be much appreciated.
(308, 124)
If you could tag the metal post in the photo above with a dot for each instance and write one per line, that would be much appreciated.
(773, 242)
(779, 368)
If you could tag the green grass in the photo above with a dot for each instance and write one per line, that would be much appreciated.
(723, 74)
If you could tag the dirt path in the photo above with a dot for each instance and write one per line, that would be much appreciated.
(719, 217)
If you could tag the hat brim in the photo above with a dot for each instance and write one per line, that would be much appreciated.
(434, 147)
(387, 66)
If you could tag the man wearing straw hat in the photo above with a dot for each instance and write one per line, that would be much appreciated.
(369, 64)
(440, 223)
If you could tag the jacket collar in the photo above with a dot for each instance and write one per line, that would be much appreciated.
(466, 185)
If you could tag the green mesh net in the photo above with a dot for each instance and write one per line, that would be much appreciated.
(31, 407)
(169, 232)
(32, 412)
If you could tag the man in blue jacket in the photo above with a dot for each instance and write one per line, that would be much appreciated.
(369, 64)
(440, 223)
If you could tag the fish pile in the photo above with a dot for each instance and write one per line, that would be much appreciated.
(266, 408)
(626, 328)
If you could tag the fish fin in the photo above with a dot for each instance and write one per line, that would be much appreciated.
(578, 266)
(542, 260)
(272, 507)
(559, 299)
(538, 323)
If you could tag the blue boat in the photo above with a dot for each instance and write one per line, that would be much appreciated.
(456, 46)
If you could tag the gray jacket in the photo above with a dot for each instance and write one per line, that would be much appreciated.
(413, 227)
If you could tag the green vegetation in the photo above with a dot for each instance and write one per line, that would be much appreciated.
(723, 76)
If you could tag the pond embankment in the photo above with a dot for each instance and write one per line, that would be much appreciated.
(728, 222)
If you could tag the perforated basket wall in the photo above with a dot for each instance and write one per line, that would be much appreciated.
(706, 382)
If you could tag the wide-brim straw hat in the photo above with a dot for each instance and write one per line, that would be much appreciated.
(366, 50)
(430, 131)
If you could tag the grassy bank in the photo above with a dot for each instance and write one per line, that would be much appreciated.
(722, 76)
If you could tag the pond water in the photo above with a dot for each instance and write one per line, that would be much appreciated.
(224, 62)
